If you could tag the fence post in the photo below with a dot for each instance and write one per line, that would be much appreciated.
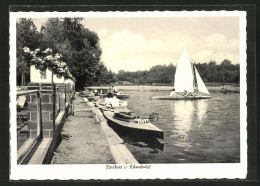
(47, 108)
(61, 90)
(34, 113)
(67, 95)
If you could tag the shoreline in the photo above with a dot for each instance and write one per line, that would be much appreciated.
(226, 89)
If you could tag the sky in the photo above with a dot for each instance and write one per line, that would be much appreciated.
(138, 43)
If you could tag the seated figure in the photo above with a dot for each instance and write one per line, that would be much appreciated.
(115, 101)
(92, 93)
(108, 102)
(114, 89)
(189, 94)
(173, 93)
(194, 94)
(185, 93)
(109, 95)
(112, 102)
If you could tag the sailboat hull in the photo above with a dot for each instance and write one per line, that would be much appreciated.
(180, 97)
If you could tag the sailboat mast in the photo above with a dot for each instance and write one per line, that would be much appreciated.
(193, 72)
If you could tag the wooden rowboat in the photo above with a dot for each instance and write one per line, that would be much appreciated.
(145, 132)
(130, 128)
(180, 97)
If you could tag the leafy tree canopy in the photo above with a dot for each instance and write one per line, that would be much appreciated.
(26, 36)
(78, 46)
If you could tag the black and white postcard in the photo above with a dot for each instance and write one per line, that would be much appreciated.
(128, 95)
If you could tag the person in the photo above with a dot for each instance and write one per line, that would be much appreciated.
(115, 101)
(185, 93)
(173, 93)
(107, 102)
(95, 92)
(112, 102)
(109, 94)
(189, 94)
(92, 93)
(114, 89)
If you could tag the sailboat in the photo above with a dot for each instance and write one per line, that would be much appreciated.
(185, 76)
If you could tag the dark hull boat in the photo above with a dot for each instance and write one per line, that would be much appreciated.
(133, 132)
(128, 127)
(132, 129)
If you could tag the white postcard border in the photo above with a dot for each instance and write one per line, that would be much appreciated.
(156, 171)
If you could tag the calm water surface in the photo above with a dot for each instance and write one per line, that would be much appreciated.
(196, 131)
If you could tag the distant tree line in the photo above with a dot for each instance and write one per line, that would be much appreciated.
(164, 74)
(222, 73)
(79, 47)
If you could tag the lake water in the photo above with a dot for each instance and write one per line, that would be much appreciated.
(195, 131)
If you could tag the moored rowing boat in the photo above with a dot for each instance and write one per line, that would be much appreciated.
(130, 128)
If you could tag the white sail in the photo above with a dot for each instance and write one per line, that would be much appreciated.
(201, 85)
(184, 76)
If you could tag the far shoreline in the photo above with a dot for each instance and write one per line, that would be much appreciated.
(211, 87)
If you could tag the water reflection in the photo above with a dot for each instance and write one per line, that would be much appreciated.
(187, 114)
(201, 106)
(182, 112)
(196, 131)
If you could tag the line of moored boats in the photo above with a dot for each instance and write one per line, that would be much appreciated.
(109, 101)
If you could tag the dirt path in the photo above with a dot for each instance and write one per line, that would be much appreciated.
(83, 141)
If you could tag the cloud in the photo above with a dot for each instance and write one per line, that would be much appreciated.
(219, 57)
(102, 33)
(201, 56)
(127, 44)
(208, 55)
(203, 49)
(130, 51)
(136, 63)
(220, 42)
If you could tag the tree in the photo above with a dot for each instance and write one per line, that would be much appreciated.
(79, 47)
(103, 76)
(226, 62)
(157, 74)
(26, 36)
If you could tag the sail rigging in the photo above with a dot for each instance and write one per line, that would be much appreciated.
(201, 86)
(185, 76)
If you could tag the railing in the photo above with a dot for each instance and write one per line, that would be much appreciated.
(36, 111)
(57, 102)
(24, 140)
